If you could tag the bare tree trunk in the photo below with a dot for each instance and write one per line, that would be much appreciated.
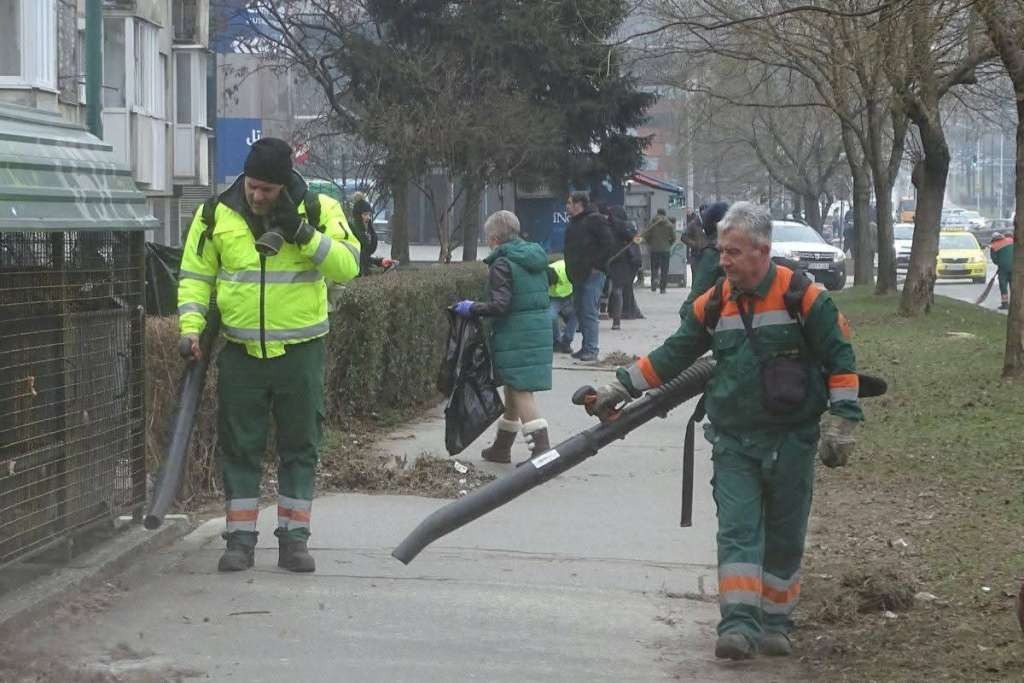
(930, 180)
(469, 217)
(399, 224)
(798, 212)
(1006, 36)
(864, 258)
(812, 211)
(1013, 359)
(886, 250)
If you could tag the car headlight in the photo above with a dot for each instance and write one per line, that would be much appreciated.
(840, 257)
(977, 259)
(784, 253)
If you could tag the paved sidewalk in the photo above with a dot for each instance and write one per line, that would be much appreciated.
(587, 578)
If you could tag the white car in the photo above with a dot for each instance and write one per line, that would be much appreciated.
(902, 240)
(800, 244)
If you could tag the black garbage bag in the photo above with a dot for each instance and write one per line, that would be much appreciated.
(446, 373)
(474, 402)
(162, 267)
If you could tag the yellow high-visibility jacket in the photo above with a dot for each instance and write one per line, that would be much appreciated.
(269, 302)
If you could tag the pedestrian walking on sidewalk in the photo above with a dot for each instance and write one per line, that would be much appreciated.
(588, 242)
(660, 236)
(783, 358)
(273, 309)
(1001, 252)
(563, 312)
(620, 267)
(517, 315)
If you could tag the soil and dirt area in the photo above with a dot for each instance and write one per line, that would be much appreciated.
(915, 549)
(349, 463)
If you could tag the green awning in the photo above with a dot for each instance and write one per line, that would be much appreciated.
(56, 176)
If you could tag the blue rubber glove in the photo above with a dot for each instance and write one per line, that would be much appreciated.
(464, 309)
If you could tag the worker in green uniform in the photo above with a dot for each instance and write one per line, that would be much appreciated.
(777, 371)
(273, 306)
(1001, 252)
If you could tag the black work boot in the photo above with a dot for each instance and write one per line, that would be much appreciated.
(240, 552)
(501, 450)
(292, 554)
(536, 434)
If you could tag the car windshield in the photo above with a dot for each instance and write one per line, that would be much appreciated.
(957, 240)
(795, 232)
(903, 232)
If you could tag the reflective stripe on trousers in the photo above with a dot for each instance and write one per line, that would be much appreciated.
(242, 514)
(293, 513)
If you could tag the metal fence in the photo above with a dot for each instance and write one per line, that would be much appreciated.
(72, 447)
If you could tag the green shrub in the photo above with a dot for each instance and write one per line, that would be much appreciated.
(383, 351)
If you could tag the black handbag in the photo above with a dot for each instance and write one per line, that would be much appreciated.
(783, 379)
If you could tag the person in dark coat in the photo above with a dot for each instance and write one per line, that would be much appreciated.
(588, 242)
(519, 326)
(707, 270)
(620, 267)
(362, 225)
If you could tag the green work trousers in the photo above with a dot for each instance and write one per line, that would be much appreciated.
(250, 390)
(762, 486)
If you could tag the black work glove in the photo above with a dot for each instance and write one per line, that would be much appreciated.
(286, 219)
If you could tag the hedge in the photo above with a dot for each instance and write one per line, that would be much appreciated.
(384, 349)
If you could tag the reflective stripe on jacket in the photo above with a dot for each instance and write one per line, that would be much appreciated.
(562, 287)
(266, 303)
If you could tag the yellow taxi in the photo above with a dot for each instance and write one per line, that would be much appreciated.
(960, 256)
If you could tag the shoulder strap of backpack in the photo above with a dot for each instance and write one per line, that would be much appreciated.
(209, 218)
(713, 307)
(794, 296)
(312, 202)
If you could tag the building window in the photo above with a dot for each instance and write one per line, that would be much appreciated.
(183, 80)
(148, 84)
(28, 44)
(10, 38)
(113, 63)
(190, 87)
(185, 19)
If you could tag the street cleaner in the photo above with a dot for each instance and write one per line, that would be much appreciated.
(1001, 252)
(782, 359)
(267, 248)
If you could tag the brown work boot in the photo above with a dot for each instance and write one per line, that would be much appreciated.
(775, 644)
(240, 552)
(501, 450)
(536, 434)
(293, 554)
(733, 646)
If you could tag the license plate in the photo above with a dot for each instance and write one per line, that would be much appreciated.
(955, 266)
(818, 266)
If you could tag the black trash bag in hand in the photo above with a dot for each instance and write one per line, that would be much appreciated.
(446, 373)
(474, 402)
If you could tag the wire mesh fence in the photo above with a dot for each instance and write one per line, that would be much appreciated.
(72, 443)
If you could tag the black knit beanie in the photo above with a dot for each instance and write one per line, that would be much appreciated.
(710, 215)
(270, 160)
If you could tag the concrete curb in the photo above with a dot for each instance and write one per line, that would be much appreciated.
(35, 600)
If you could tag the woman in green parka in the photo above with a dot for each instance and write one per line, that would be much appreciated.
(519, 322)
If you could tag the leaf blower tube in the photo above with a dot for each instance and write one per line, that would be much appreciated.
(190, 393)
(569, 453)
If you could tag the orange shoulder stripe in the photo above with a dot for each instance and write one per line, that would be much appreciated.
(845, 380)
(811, 295)
(647, 370)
